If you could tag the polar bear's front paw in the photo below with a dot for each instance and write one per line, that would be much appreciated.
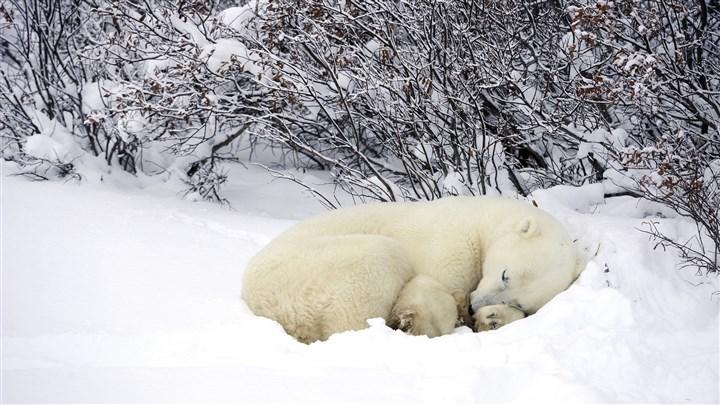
(494, 316)
(402, 320)
(419, 323)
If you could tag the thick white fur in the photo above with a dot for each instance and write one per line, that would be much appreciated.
(424, 307)
(333, 272)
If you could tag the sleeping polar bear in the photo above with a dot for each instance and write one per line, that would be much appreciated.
(413, 264)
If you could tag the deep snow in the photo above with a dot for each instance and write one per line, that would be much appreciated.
(111, 293)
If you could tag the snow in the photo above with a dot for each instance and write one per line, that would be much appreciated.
(183, 24)
(54, 142)
(222, 52)
(239, 18)
(112, 293)
(93, 95)
(454, 184)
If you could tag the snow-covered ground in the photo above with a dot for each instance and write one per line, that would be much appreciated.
(115, 294)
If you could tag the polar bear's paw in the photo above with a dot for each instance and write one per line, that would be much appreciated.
(421, 322)
(424, 307)
(495, 316)
(402, 320)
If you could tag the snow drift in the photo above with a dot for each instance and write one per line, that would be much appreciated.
(112, 295)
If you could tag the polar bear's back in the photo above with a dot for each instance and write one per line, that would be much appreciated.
(395, 220)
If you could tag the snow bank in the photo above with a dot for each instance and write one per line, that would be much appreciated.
(54, 142)
(112, 295)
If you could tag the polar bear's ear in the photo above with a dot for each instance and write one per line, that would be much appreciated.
(527, 228)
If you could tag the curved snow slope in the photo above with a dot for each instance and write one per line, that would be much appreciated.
(111, 295)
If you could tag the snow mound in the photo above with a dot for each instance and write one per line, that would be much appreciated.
(54, 142)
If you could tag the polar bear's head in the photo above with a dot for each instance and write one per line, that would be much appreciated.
(526, 265)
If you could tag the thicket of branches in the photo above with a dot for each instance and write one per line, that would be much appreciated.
(397, 99)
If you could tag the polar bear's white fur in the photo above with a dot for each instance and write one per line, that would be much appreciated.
(425, 307)
(413, 264)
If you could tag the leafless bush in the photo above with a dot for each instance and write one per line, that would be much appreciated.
(683, 173)
(660, 84)
(424, 100)
(397, 100)
(42, 82)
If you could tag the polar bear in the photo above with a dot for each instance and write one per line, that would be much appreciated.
(422, 266)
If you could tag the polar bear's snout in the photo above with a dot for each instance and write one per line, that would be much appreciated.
(499, 298)
(478, 302)
(492, 292)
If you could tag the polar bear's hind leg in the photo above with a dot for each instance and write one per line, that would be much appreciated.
(325, 285)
